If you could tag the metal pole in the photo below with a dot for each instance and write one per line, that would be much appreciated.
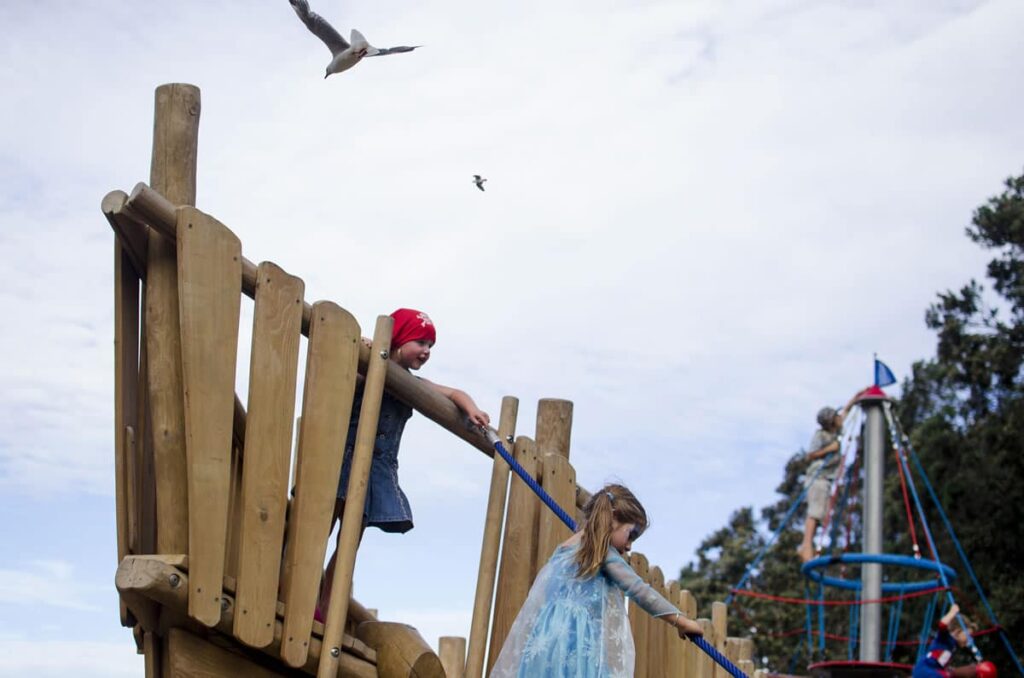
(871, 573)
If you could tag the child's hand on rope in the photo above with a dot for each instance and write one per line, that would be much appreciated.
(687, 627)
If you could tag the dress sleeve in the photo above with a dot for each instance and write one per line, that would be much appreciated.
(623, 576)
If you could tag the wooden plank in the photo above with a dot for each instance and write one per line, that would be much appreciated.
(488, 570)
(705, 665)
(273, 373)
(639, 620)
(126, 377)
(151, 650)
(452, 650)
(688, 606)
(746, 649)
(132, 236)
(401, 650)
(173, 173)
(719, 620)
(355, 496)
(209, 283)
(675, 661)
(193, 657)
(732, 649)
(519, 551)
(655, 630)
(331, 367)
(559, 480)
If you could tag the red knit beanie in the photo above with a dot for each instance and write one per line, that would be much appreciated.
(411, 325)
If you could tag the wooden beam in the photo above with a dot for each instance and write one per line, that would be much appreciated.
(401, 651)
(452, 650)
(157, 581)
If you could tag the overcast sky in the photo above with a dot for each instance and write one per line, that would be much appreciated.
(701, 219)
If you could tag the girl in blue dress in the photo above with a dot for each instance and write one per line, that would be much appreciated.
(573, 623)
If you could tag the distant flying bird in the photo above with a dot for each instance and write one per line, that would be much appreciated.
(343, 55)
(479, 181)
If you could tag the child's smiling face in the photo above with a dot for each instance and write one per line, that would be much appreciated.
(412, 355)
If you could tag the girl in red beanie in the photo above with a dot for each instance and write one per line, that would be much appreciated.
(387, 508)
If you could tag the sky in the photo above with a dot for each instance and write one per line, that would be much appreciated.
(701, 220)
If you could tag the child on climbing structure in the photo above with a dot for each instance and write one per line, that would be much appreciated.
(387, 508)
(947, 639)
(573, 622)
(824, 458)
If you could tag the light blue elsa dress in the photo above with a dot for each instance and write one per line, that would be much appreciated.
(577, 628)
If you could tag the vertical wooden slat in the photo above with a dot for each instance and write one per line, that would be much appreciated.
(487, 572)
(126, 377)
(355, 497)
(519, 551)
(273, 372)
(655, 635)
(452, 651)
(732, 649)
(705, 665)
(559, 480)
(151, 650)
(209, 289)
(688, 606)
(172, 173)
(331, 360)
(719, 619)
(674, 659)
(638, 619)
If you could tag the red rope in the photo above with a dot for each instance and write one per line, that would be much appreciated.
(906, 501)
(809, 601)
(835, 636)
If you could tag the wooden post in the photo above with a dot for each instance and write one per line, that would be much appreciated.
(519, 551)
(554, 426)
(719, 620)
(639, 620)
(355, 499)
(559, 480)
(277, 321)
(172, 173)
(209, 293)
(452, 650)
(487, 572)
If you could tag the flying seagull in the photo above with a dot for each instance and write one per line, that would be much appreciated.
(479, 181)
(343, 55)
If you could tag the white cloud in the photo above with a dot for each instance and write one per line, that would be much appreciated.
(46, 582)
(46, 658)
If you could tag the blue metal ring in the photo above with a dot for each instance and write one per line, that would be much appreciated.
(814, 570)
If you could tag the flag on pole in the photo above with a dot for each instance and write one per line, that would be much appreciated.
(883, 375)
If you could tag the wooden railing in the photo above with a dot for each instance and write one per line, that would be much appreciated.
(208, 540)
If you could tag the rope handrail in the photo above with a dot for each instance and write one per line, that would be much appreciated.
(517, 468)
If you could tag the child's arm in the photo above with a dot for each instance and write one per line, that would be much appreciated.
(824, 451)
(652, 602)
(462, 401)
(948, 618)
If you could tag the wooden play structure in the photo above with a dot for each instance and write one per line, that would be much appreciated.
(224, 505)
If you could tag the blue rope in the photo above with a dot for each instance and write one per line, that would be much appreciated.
(810, 628)
(699, 641)
(960, 551)
(795, 657)
(924, 524)
(854, 629)
(926, 627)
(785, 523)
(821, 619)
(895, 613)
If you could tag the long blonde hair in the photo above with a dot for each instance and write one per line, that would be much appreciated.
(611, 502)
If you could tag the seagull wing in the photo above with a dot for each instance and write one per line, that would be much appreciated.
(393, 50)
(480, 185)
(476, 178)
(319, 27)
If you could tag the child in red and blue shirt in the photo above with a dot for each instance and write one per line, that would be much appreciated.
(935, 662)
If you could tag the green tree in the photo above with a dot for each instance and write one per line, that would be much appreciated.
(964, 412)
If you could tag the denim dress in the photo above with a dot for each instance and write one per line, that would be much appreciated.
(386, 505)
